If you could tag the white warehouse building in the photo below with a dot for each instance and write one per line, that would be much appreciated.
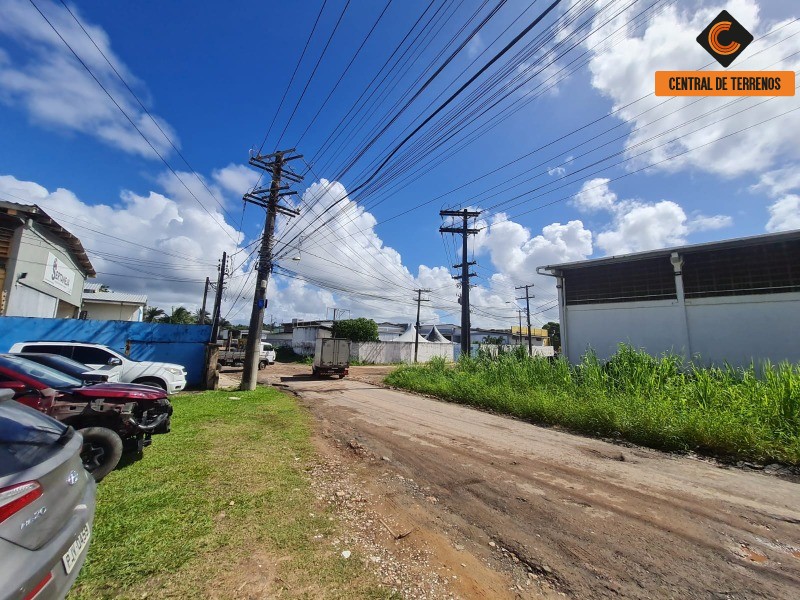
(733, 301)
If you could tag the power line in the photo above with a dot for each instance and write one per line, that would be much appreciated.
(313, 72)
(147, 112)
(294, 73)
(130, 120)
(344, 72)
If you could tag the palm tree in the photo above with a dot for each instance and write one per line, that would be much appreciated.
(179, 316)
(201, 317)
(152, 314)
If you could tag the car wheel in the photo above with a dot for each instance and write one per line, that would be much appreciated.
(101, 451)
(262, 365)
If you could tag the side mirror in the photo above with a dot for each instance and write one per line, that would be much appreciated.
(16, 386)
(114, 361)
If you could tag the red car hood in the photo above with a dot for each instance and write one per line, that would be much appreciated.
(120, 390)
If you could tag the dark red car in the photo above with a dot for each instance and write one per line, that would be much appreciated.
(111, 417)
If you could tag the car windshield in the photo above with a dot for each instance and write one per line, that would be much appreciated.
(50, 377)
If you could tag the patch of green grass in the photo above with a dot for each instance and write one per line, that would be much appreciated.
(658, 402)
(219, 504)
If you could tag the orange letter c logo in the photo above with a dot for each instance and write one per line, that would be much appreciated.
(713, 40)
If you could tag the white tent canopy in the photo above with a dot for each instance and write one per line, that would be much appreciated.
(410, 335)
(436, 336)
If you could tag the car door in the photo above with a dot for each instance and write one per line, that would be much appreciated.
(96, 358)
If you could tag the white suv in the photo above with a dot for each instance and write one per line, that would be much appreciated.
(167, 376)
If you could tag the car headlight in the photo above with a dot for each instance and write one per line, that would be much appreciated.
(175, 371)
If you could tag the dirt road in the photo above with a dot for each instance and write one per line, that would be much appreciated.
(581, 517)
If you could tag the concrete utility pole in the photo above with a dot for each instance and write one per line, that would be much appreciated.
(527, 299)
(205, 297)
(335, 310)
(464, 231)
(419, 300)
(267, 198)
(223, 267)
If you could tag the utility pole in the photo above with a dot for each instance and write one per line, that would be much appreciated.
(420, 300)
(519, 314)
(464, 231)
(218, 297)
(267, 198)
(205, 297)
(335, 310)
(527, 299)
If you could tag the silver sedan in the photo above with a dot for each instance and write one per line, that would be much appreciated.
(47, 502)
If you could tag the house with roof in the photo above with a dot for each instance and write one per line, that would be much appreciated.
(43, 267)
(102, 304)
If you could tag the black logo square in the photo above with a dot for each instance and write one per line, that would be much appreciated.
(725, 38)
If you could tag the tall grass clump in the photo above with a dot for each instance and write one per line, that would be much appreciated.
(740, 413)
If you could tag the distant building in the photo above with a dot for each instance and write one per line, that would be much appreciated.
(102, 304)
(388, 331)
(305, 335)
(733, 301)
(43, 267)
(539, 336)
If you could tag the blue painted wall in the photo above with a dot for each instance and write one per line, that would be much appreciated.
(181, 344)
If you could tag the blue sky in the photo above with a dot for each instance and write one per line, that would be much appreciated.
(213, 75)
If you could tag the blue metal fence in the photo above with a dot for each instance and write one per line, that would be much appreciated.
(181, 344)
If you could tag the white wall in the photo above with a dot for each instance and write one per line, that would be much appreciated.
(32, 249)
(28, 302)
(494, 349)
(398, 352)
(655, 326)
(739, 329)
(733, 329)
(112, 311)
(304, 339)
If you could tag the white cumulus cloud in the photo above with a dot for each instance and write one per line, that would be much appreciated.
(636, 225)
(624, 72)
(45, 80)
(784, 214)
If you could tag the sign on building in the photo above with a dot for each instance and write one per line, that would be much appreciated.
(58, 275)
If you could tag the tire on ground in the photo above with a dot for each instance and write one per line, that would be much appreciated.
(102, 449)
(262, 365)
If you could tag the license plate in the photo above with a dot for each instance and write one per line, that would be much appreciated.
(72, 555)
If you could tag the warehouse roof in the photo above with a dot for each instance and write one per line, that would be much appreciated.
(95, 292)
(71, 243)
(756, 240)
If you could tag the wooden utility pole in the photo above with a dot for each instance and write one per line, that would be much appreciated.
(267, 198)
(464, 231)
(419, 300)
(205, 297)
(527, 299)
(223, 267)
